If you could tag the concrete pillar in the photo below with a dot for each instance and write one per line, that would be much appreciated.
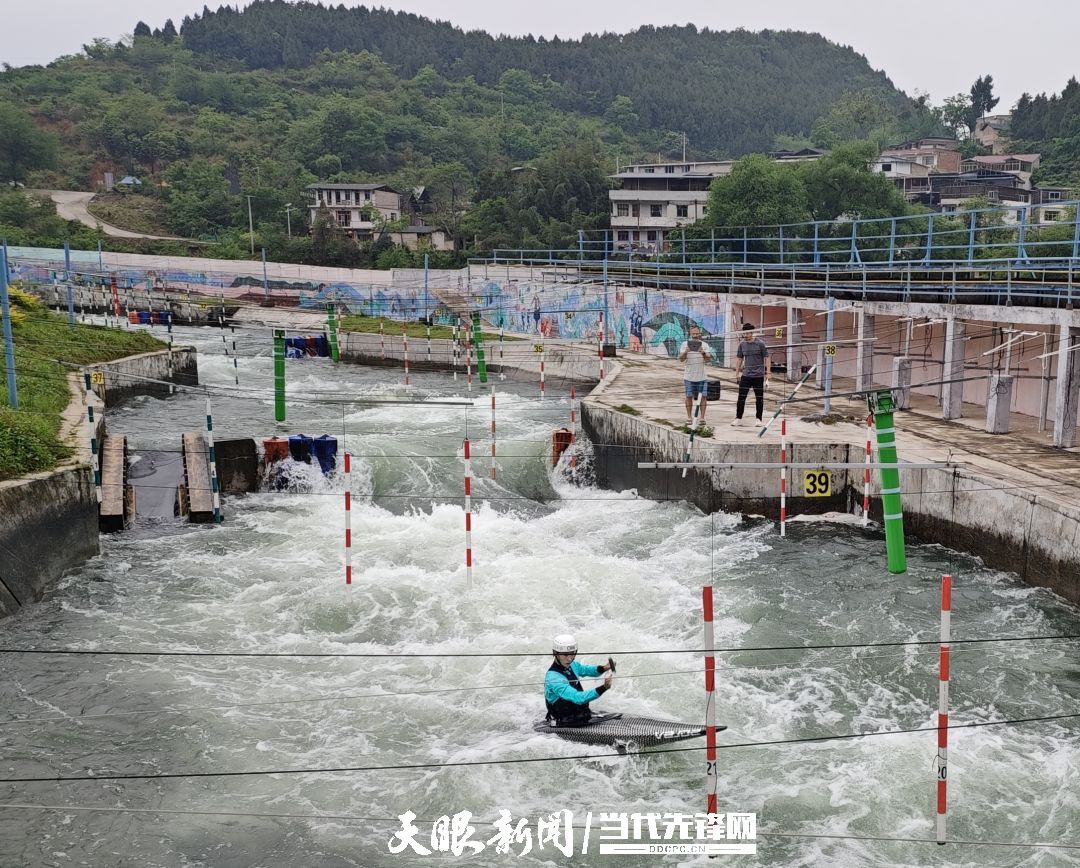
(952, 395)
(901, 381)
(1067, 387)
(864, 354)
(794, 339)
(731, 336)
(998, 404)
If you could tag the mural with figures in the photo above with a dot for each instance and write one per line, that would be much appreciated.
(641, 320)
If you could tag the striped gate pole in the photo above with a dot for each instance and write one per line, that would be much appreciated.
(573, 427)
(235, 364)
(429, 344)
(866, 472)
(115, 298)
(693, 430)
(215, 491)
(456, 348)
(95, 463)
(783, 476)
(542, 354)
(891, 507)
(492, 430)
(382, 342)
(348, 519)
(468, 360)
(500, 347)
(331, 322)
(468, 516)
(711, 778)
(405, 350)
(279, 375)
(168, 321)
(943, 705)
(600, 347)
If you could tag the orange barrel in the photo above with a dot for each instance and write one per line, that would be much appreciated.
(133, 316)
(560, 442)
(275, 449)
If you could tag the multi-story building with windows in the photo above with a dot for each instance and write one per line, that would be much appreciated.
(653, 199)
(362, 209)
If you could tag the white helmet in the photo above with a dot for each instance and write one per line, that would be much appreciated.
(564, 643)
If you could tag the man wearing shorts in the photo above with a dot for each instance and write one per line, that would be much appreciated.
(695, 352)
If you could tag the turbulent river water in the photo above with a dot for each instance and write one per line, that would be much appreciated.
(622, 572)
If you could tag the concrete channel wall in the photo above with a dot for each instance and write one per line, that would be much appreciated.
(48, 525)
(563, 362)
(1010, 529)
(49, 521)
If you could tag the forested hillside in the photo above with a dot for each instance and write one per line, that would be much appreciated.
(731, 92)
(514, 139)
(1050, 125)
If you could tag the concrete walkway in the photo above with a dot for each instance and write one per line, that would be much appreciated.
(1023, 458)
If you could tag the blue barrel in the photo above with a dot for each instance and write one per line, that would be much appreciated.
(324, 448)
(300, 448)
(322, 345)
(144, 317)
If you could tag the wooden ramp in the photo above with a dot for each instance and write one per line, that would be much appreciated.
(115, 496)
(195, 499)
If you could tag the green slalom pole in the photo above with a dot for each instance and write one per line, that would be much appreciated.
(279, 375)
(481, 365)
(881, 405)
(331, 317)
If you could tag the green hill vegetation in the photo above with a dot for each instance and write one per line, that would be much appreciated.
(30, 436)
(514, 138)
(1050, 125)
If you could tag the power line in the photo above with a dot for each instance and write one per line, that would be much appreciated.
(528, 760)
(98, 652)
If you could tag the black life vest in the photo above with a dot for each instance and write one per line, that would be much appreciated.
(563, 711)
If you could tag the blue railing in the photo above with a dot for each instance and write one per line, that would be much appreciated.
(978, 237)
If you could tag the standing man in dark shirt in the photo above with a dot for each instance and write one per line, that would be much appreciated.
(751, 372)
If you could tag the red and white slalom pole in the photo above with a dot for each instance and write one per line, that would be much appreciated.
(943, 705)
(711, 777)
(866, 471)
(542, 373)
(468, 516)
(493, 431)
(600, 347)
(115, 299)
(783, 476)
(348, 519)
(405, 350)
(382, 342)
(573, 427)
(456, 348)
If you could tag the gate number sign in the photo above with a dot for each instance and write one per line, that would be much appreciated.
(817, 483)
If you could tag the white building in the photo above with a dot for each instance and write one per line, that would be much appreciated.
(363, 209)
(655, 198)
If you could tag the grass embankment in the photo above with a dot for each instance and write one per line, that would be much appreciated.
(358, 323)
(30, 436)
(131, 211)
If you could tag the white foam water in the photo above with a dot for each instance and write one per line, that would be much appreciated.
(622, 572)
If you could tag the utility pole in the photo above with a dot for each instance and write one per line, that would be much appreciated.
(251, 228)
(684, 147)
(288, 217)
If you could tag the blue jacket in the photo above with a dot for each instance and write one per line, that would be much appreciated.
(565, 697)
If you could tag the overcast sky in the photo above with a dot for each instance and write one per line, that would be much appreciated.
(940, 47)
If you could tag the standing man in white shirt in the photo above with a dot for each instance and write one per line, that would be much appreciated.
(695, 352)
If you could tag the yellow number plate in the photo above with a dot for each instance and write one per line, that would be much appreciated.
(778, 333)
(817, 483)
(97, 378)
(830, 349)
(538, 348)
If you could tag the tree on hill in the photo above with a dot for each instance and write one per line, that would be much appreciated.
(758, 192)
(23, 145)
